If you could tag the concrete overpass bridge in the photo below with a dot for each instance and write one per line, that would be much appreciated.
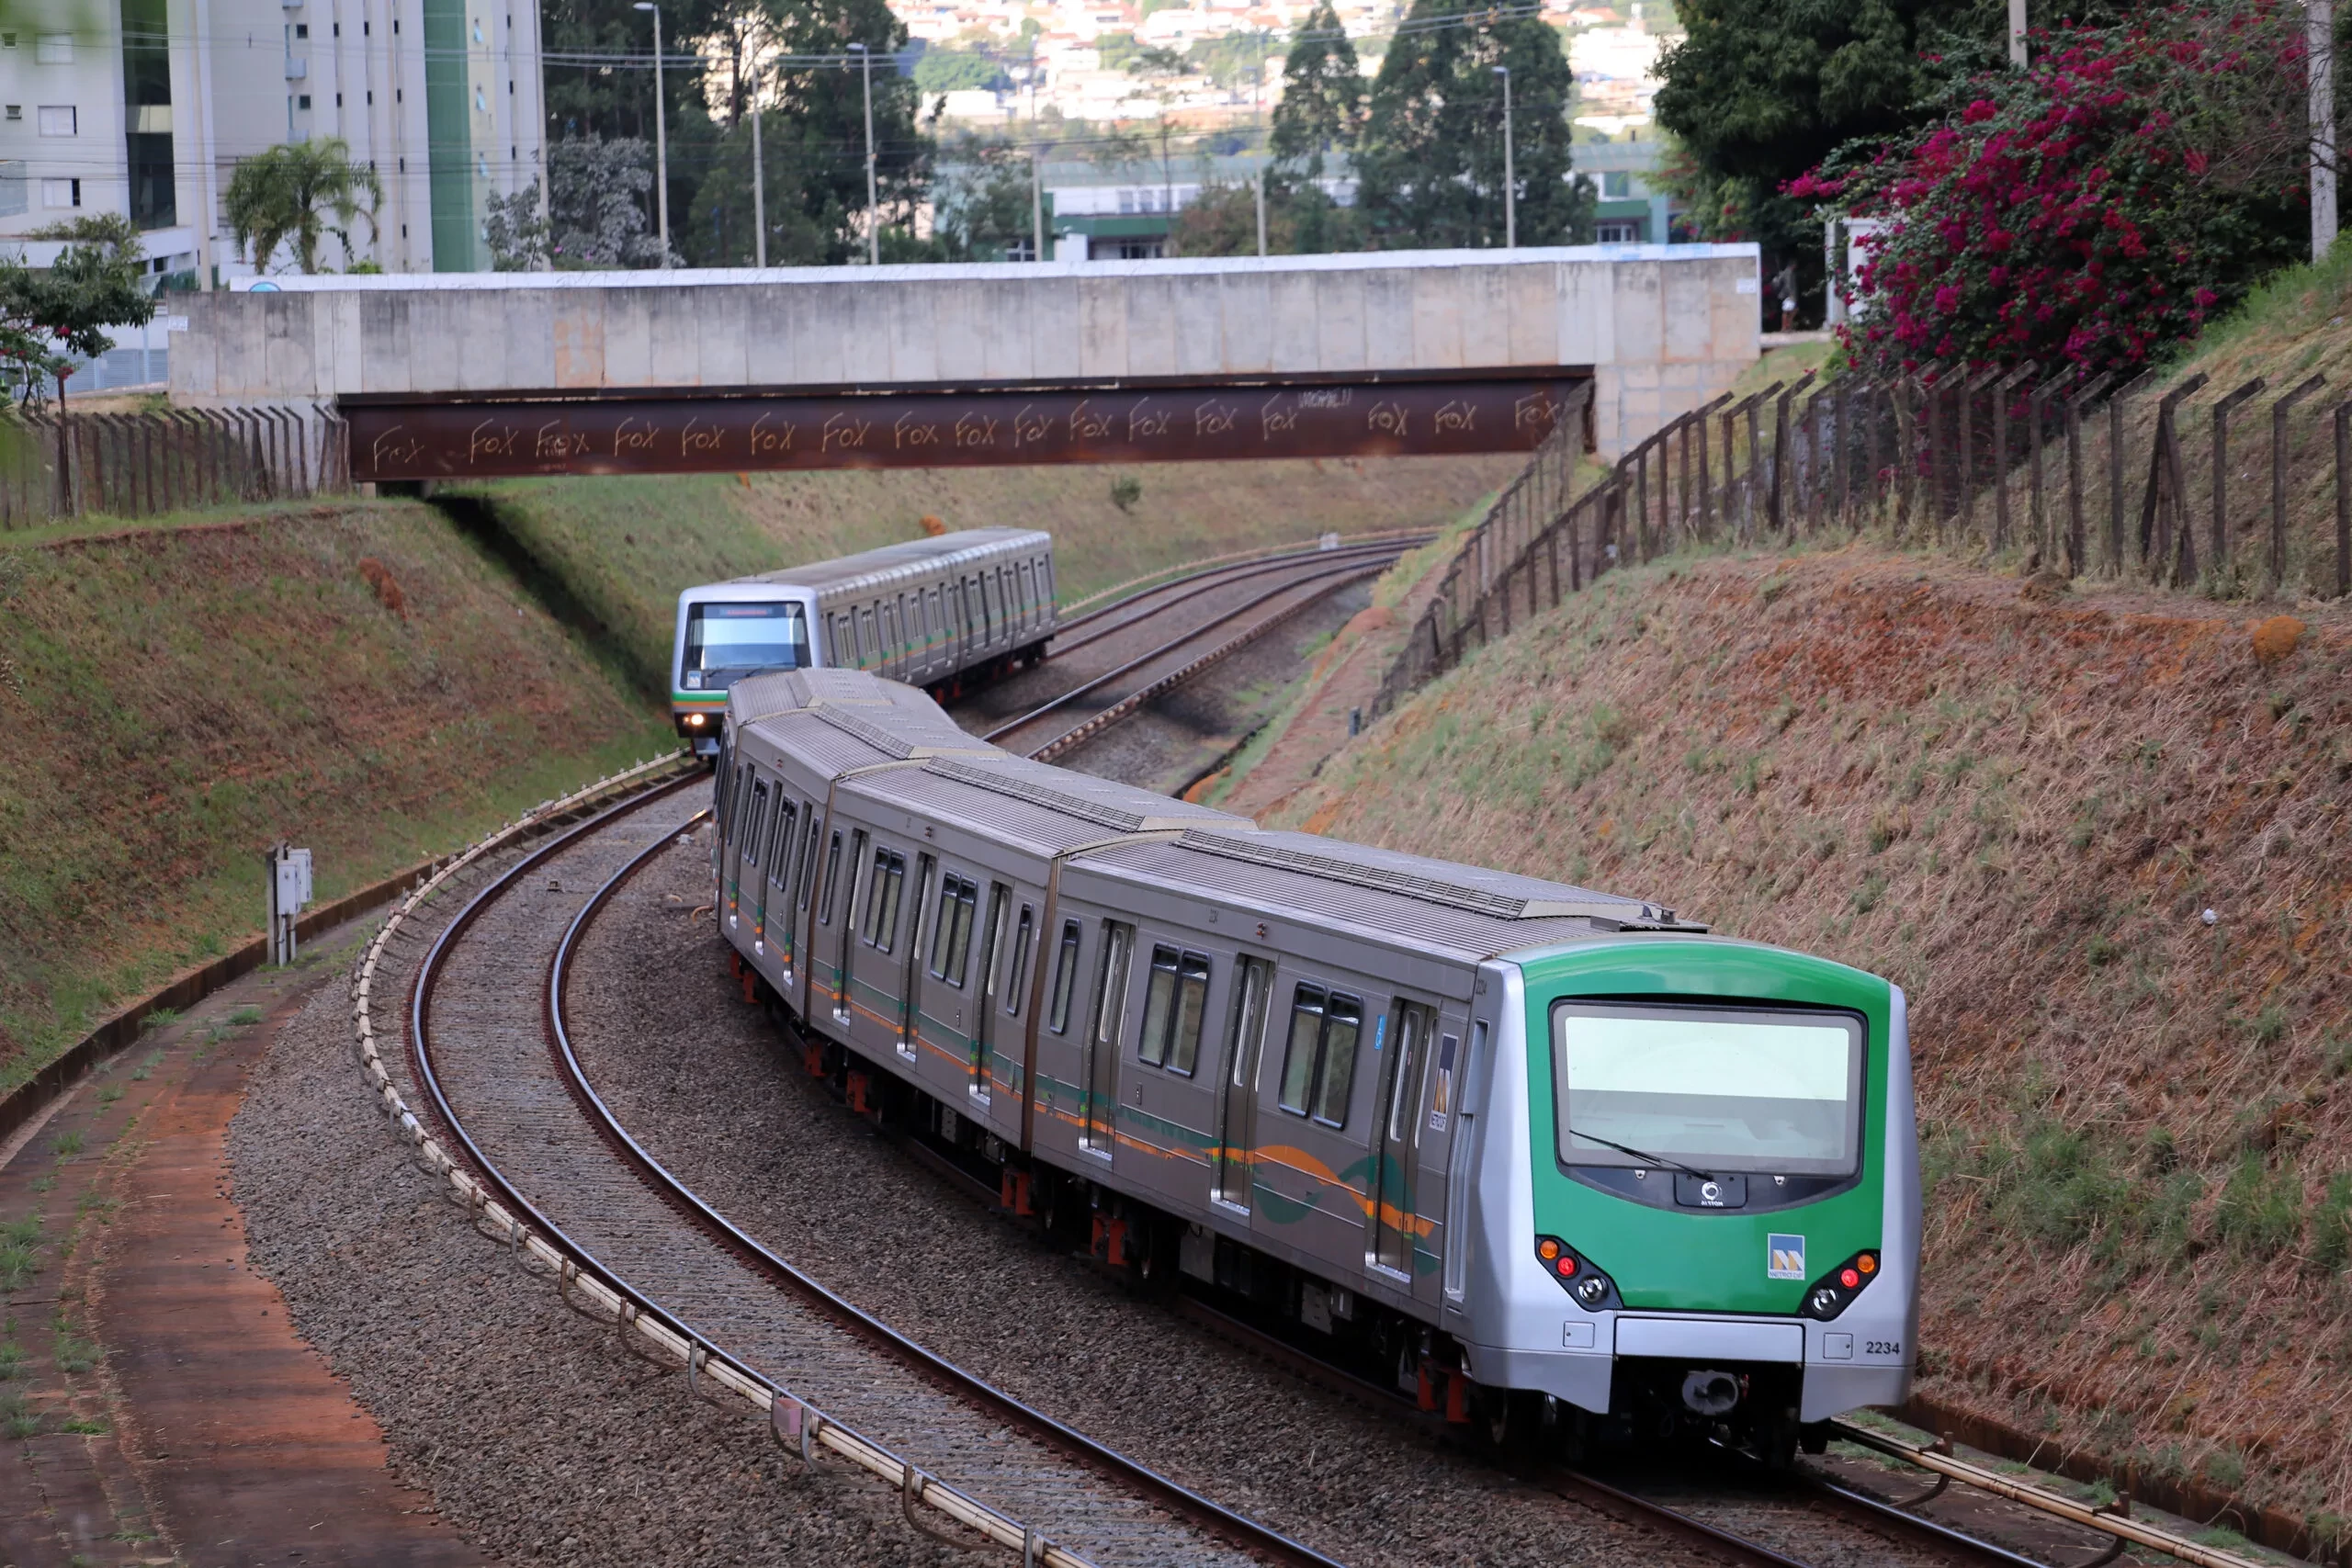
(490, 375)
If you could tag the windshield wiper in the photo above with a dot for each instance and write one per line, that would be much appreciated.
(1641, 1154)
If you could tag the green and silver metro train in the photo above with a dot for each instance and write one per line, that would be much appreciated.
(1562, 1165)
(936, 613)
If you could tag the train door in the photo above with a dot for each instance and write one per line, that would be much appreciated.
(869, 639)
(1106, 1035)
(1452, 1141)
(730, 842)
(983, 1031)
(775, 888)
(1245, 1037)
(747, 852)
(910, 970)
(839, 906)
(1397, 1140)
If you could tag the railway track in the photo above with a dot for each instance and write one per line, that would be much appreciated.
(1160, 597)
(487, 1044)
(1249, 600)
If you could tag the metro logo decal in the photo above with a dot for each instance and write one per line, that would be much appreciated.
(1784, 1257)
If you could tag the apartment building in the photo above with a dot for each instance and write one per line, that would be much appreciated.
(146, 106)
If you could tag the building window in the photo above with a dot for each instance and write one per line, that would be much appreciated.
(302, 101)
(15, 111)
(7, 41)
(54, 49)
(302, 29)
(338, 100)
(371, 97)
(12, 187)
(58, 119)
(1616, 185)
(60, 193)
(1621, 232)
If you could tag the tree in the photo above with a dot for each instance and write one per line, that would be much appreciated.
(2093, 209)
(1431, 168)
(1223, 221)
(1322, 111)
(51, 316)
(285, 194)
(601, 191)
(953, 70)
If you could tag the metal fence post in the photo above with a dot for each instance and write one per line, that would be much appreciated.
(2278, 413)
(2221, 411)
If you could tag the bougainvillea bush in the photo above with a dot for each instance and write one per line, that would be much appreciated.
(2093, 209)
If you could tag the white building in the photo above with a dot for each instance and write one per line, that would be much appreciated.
(145, 107)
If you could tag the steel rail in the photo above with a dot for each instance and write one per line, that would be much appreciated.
(1330, 581)
(2113, 1520)
(1198, 583)
(1238, 1529)
(577, 1278)
(1149, 582)
(1626, 1506)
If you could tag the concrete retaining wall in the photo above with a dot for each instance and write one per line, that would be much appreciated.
(1663, 327)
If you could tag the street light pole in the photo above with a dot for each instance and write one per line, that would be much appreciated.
(873, 197)
(1511, 175)
(2319, 20)
(758, 190)
(661, 137)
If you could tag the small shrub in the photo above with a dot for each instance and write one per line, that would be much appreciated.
(109, 1094)
(67, 1144)
(2102, 951)
(76, 1354)
(19, 1417)
(248, 1014)
(160, 1019)
(2061, 1189)
(12, 1360)
(1126, 491)
(2260, 1211)
(1866, 896)
(2332, 1224)
(18, 1263)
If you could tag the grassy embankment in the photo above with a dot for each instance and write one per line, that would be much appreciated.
(356, 678)
(624, 547)
(2138, 1124)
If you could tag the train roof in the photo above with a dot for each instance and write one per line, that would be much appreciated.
(930, 554)
(841, 720)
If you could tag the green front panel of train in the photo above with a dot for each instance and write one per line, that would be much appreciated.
(1704, 1259)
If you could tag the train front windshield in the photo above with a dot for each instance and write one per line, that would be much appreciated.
(1710, 1088)
(725, 642)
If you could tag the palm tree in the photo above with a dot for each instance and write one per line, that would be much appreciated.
(284, 196)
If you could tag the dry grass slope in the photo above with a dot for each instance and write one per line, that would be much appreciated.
(2138, 1121)
(356, 678)
(626, 546)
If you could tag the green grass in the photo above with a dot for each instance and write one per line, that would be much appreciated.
(17, 1417)
(243, 1016)
(76, 1354)
(148, 753)
(65, 1145)
(19, 1261)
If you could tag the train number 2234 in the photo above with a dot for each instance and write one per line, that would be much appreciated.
(1881, 1346)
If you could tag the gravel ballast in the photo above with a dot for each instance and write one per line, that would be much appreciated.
(536, 1435)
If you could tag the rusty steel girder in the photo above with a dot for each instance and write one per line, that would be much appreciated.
(665, 431)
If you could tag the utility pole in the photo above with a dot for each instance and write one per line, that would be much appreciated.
(1038, 206)
(873, 197)
(2016, 33)
(661, 137)
(758, 190)
(1510, 175)
(1261, 210)
(2319, 53)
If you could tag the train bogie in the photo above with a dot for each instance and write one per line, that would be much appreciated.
(1551, 1158)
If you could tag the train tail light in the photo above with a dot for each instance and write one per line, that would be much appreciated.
(1835, 1290)
(1586, 1286)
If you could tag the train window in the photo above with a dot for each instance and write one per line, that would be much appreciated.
(1342, 1027)
(754, 828)
(1065, 977)
(787, 817)
(951, 933)
(809, 857)
(1319, 1062)
(1171, 1010)
(889, 631)
(1107, 1036)
(869, 641)
(832, 880)
(1016, 976)
(1298, 1058)
(884, 888)
(724, 641)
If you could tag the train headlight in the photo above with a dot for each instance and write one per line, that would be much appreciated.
(1835, 1290)
(695, 721)
(1585, 1285)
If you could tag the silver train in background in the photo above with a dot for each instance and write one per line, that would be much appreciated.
(940, 613)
